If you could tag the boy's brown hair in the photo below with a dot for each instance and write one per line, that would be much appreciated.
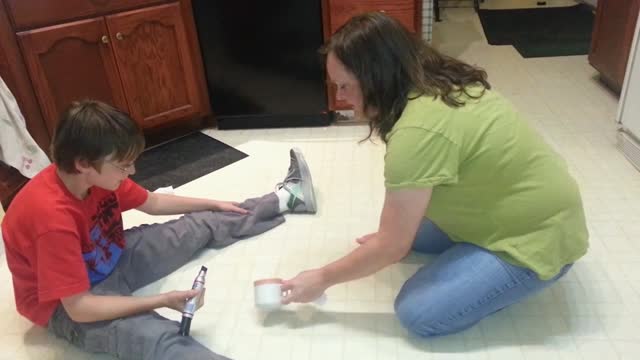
(91, 130)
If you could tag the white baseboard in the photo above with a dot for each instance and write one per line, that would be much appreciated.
(630, 148)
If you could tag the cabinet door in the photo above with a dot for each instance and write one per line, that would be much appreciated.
(611, 40)
(71, 62)
(155, 63)
(13, 71)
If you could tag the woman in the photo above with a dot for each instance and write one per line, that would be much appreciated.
(466, 178)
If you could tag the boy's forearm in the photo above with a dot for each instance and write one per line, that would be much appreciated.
(164, 204)
(91, 308)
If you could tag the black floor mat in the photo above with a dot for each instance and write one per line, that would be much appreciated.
(561, 31)
(179, 161)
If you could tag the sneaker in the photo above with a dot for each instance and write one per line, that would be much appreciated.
(298, 183)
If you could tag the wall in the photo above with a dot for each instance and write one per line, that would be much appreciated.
(428, 18)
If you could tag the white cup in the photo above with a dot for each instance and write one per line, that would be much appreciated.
(268, 293)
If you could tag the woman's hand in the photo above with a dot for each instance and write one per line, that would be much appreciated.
(230, 206)
(305, 287)
(176, 299)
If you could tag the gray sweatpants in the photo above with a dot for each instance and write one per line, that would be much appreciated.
(152, 252)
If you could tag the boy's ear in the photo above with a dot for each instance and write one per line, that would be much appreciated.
(83, 165)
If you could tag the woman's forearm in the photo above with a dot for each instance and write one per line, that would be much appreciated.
(402, 213)
(365, 260)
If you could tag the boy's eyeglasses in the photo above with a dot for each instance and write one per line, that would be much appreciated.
(129, 169)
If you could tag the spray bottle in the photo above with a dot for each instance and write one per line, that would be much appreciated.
(191, 305)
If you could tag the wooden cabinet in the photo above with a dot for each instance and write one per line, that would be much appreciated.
(611, 39)
(70, 62)
(338, 12)
(139, 61)
(14, 73)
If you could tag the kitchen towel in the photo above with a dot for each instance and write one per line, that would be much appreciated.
(17, 147)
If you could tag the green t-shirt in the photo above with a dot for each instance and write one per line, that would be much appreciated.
(496, 183)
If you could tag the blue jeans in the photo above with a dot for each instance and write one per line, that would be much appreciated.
(462, 286)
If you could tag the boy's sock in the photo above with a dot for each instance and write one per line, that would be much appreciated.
(289, 196)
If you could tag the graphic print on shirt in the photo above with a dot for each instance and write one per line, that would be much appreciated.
(106, 235)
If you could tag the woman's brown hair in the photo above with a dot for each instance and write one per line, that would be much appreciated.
(390, 62)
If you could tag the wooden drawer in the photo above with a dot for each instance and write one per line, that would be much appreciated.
(28, 14)
(343, 10)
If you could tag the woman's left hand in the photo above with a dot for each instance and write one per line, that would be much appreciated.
(231, 206)
(305, 287)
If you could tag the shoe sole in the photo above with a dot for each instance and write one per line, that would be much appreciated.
(307, 183)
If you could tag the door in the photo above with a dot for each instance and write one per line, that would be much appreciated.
(629, 111)
(156, 66)
(71, 62)
(612, 36)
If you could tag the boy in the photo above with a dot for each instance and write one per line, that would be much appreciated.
(74, 268)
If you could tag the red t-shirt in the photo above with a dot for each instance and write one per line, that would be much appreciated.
(57, 245)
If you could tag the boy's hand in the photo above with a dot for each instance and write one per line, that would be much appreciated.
(176, 299)
(229, 206)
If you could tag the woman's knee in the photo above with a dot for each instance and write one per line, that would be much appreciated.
(426, 319)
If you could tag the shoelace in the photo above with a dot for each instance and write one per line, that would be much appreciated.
(283, 184)
(280, 185)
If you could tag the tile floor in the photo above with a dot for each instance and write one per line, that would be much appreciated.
(591, 314)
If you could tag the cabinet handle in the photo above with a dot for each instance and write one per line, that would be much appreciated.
(119, 36)
(382, 11)
(105, 39)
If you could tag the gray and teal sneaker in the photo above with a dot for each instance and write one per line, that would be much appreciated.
(298, 183)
